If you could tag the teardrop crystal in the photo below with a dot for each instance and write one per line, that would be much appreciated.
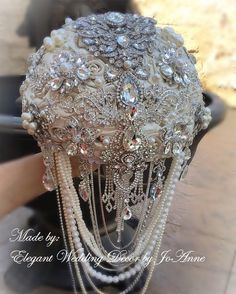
(131, 141)
(127, 214)
(129, 91)
(56, 84)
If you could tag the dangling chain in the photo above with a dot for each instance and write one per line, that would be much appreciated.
(148, 245)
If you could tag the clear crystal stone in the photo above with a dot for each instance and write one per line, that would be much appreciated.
(84, 193)
(88, 41)
(139, 46)
(166, 70)
(71, 149)
(186, 79)
(176, 148)
(79, 62)
(115, 17)
(111, 75)
(130, 141)
(177, 79)
(123, 41)
(110, 48)
(83, 73)
(48, 182)
(167, 148)
(127, 214)
(83, 149)
(129, 93)
(56, 84)
(142, 73)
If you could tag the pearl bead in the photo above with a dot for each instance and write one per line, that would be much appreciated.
(27, 116)
(31, 132)
(25, 124)
(127, 275)
(122, 277)
(48, 43)
(68, 20)
(59, 39)
(115, 280)
(106, 141)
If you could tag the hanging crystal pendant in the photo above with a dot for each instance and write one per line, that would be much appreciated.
(127, 214)
(83, 191)
(130, 141)
(48, 182)
(129, 91)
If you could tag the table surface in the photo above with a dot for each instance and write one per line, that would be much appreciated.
(202, 219)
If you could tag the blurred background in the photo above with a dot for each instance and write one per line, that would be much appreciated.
(203, 214)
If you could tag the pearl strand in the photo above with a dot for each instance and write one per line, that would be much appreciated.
(66, 207)
(76, 194)
(174, 178)
(121, 276)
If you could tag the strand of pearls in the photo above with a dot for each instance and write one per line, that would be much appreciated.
(68, 213)
(139, 265)
(65, 241)
(87, 232)
(175, 174)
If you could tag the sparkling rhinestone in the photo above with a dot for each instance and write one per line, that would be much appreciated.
(186, 79)
(115, 17)
(166, 70)
(79, 62)
(176, 148)
(56, 84)
(167, 148)
(128, 64)
(83, 73)
(88, 41)
(83, 192)
(111, 75)
(66, 67)
(152, 192)
(109, 207)
(141, 73)
(127, 214)
(110, 48)
(48, 182)
(177, 79)
(71, 149)
(129, 93)
(130, 141)
(83, 149)
(133, 113)
(139, 46)
(69, 84)
(123, 41)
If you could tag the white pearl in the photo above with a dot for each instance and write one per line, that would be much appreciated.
(127, 275)
(115, 280)
(27, 116)
(68, 20)
(122, 277)
(31, 132)
(59, 39)
(138, 267)
(25, 124)
(48, 43)
(132, 271)
(106, 141)
(53, 33)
